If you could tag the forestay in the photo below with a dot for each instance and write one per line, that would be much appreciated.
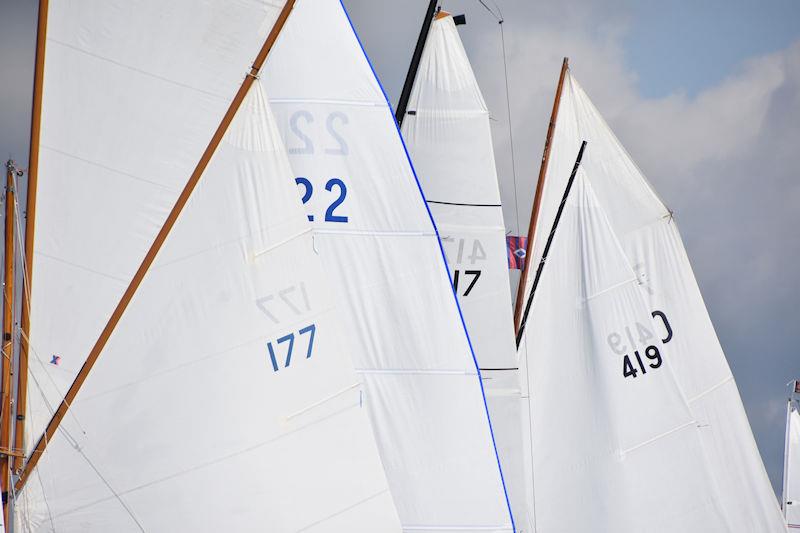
(225, 400)
(380, 247)
(620, 445)
(791, 472)
(447, 132)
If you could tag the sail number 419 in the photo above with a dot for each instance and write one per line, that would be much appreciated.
(636, 360)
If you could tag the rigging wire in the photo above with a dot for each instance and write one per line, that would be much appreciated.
(27, 296)
(499, 18)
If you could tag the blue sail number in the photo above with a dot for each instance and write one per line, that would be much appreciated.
(308, 191)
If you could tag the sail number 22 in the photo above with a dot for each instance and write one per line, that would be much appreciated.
(639, 360)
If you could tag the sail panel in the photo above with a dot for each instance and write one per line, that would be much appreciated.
(447, 132)
(226, 398)
(378, 242)
(653, 248)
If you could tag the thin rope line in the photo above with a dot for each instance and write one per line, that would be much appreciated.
(510, 128)
(499, 17)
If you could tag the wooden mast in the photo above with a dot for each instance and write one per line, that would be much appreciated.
(30, 225)
(537, 198)
(8, 339)
(180, 203)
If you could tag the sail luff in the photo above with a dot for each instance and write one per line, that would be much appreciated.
(30, 227)
(169, 223)
(537, 198)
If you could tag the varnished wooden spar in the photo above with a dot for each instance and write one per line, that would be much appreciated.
(97, 349)
(30, 225)
(8, 338)
(537, 198)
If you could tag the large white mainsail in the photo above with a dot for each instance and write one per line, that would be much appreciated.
(225, 399)
(381, 249)
(704, 428)
(448, 135)
(791, 469)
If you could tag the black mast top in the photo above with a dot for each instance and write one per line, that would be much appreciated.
(402, 104)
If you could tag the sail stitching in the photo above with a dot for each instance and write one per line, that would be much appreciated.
(658, 437)
(209, 463)
(135, 69)
(355, 103)
(710, 389)
(431, 371)
(323, 401)
(281, 243)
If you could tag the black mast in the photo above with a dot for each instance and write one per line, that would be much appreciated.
(402, 104)
(549, 242)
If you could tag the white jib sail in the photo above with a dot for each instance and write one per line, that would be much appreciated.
(133, 92)
(380, 247)
(791, 472)
(674, 319)
(448, 135)
(225, 400)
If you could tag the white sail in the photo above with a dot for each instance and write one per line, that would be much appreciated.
(682, 424)
(225, 400)
(132, 95)
(382, 252)
(448, 135)
(183, 424)
(791, 472)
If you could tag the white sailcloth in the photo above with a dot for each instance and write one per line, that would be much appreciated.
(132, 94)
(791, 472)
(448, 135)
(225, 400)
(382, 252)
(183, 424)
(719, 480)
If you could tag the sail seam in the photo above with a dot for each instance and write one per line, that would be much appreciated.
(609, 289)
(373, 233)
(463, 204)
(281, 243)
(110, 169)
(658, 437)
(324, 101)
(503, 527)
(462, 372)
(342, 511)
(323, 401)
(710, 389)
(137, 70)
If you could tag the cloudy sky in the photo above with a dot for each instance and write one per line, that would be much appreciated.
(705, 96)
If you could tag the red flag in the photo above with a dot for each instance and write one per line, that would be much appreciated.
(515, 247)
